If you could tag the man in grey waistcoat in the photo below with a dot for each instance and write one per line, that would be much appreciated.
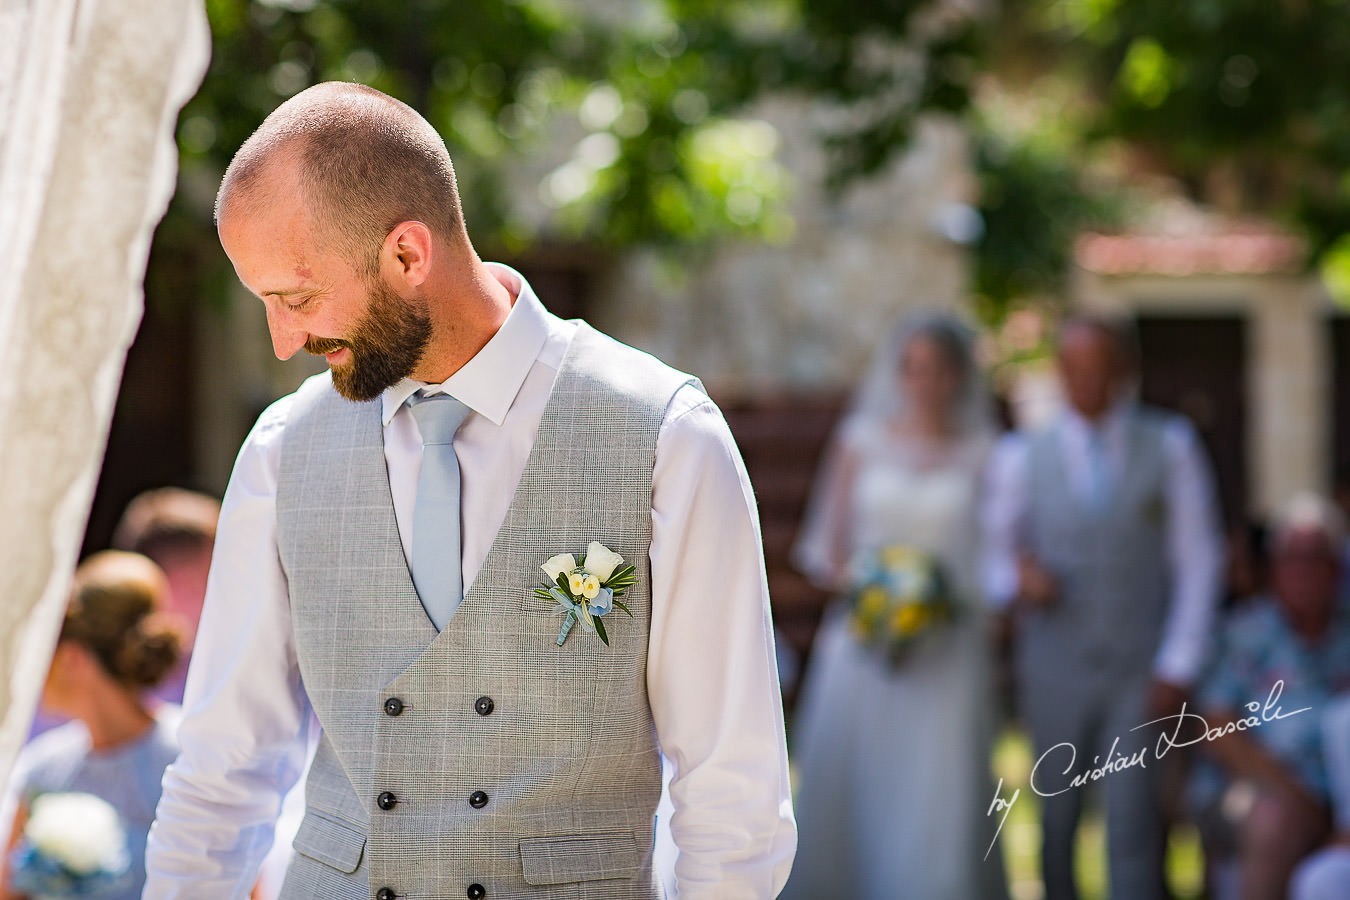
(1102, 543)
(429, 547)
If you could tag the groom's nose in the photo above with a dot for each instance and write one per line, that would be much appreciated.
(287, 337)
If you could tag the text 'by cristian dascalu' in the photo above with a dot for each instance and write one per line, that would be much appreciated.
(1258, 714)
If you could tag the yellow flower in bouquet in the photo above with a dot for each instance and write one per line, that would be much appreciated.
(908, 619)
(869, 611)
(899, 596)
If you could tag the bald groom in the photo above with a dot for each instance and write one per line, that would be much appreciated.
(379, 548)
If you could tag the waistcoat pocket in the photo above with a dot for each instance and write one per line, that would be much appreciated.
(330, 840)
(561, 859)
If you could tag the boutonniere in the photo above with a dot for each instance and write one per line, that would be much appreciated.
(588, 589)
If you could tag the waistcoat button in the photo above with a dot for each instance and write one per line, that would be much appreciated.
(393, 707)
(483, 706)
(386, 801)
(476, 891)
(478, 799)
(385, 893)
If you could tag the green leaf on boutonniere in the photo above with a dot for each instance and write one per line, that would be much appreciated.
(562, 583)
(622, 580)
(620, 605)
(600, 630)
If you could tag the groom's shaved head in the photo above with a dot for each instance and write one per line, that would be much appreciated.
(362, 162)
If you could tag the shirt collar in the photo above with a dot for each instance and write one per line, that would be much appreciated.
(488, 383)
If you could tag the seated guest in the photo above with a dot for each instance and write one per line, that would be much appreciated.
(1326, 874)
(1279, 660)
(114, 645)
(176, 529)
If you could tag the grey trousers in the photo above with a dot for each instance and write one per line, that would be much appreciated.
(1090, 714)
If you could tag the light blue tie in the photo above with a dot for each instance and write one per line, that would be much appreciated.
(1099, 486)
(436, 562)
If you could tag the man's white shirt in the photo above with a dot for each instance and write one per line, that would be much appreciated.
(711, 677)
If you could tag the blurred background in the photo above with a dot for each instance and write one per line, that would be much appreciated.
(754, 190)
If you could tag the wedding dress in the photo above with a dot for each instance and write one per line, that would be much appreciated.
(892, 762)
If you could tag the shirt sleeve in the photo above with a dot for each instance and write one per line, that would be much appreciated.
(245, 713)
(1002, 515)
(711, 675)
(16, 793)
(1195, 552)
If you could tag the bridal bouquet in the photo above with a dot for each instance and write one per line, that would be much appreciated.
(899, 596)
(73, 845)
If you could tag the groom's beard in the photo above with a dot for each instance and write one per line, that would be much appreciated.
(386, 345)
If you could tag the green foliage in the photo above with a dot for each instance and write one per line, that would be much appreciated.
(1034, 205)
(657, 87)
(640, 108)
(1036, 197)
(641, 105)
(1246, 102)
(1335, 268)
(617, 124)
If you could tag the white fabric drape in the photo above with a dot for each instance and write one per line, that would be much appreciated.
(89, 95)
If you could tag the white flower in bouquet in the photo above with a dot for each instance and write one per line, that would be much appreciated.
(561, 564)
(601, 561)
(80, 831)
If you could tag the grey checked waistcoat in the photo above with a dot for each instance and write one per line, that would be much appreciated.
(1111, 565)
(483, 761)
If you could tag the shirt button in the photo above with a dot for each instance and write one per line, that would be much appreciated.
(476, 891)
(393, 707)
(478, 799)
(385, 893)
(483, 706)
(386, 801)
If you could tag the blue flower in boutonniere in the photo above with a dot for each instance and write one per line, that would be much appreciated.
(586, 590)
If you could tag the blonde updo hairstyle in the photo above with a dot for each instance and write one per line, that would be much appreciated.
(115, 614)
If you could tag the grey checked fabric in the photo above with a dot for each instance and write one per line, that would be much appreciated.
(1112, 563)
(568, 756)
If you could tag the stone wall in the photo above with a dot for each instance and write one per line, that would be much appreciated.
(805, 315)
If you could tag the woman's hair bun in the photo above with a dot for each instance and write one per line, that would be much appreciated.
(115, 613)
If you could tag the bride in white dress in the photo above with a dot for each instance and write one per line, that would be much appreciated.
(893, 761)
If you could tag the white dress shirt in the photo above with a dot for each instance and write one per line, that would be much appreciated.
(1194, 544)
(711, 677)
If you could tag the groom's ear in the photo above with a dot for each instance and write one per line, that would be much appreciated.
(406, 254)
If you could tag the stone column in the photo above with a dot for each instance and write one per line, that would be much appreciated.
(1289, 386)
